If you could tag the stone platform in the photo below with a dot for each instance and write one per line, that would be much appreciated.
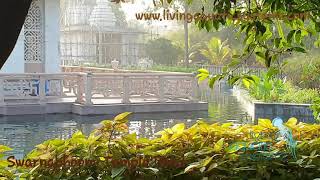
(99, 109)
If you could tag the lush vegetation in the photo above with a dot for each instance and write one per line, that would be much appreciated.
(163, 51)
(316, 108)
(214, 151)
(303, 71)
(165, 68)
(270, 88)
(217, 52)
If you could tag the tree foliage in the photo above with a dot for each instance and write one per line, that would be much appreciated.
(217, 51)
(162, 51)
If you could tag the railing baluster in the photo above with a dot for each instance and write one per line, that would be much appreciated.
(195, 89)
(42, 89)
(2, 92)
(88, 88)
(161, 89)
(126, 90)
(80, 89)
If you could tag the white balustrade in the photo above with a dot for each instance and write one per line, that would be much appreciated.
(103, 88)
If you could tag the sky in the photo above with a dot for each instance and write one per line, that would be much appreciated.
(139, 6)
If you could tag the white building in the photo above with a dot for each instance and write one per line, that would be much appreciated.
(90, 35)
(71, 32)
(37, 48)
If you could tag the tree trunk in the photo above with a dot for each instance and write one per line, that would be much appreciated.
(186, 37)
(12, 17)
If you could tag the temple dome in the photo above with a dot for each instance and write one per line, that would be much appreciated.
(102, 16)
(79, 15)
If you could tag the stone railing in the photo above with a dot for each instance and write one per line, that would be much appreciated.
(219, 69)
(97, 88)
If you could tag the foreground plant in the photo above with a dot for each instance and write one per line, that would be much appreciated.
(216, 151)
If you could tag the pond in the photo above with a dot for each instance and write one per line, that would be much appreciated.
(24, 132)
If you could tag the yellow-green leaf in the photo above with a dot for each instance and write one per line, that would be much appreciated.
(4, 148)
(266, 123)
(219, 145)
(246, 83)
(178, 128)
(204, 71)
(292, 122)
(122, 118)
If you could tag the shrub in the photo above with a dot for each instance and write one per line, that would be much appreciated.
(162, 51)
(304, 71)
(316, 108)
(216, 151)
(267, 88)
(294, 94)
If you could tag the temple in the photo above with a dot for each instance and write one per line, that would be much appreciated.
(73, 32)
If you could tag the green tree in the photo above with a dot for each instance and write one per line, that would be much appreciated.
(119, 14)
(271, 29)
(162, 51)
(217, 52)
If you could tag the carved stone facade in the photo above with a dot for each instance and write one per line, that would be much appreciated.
(37, 47)
(34, 38)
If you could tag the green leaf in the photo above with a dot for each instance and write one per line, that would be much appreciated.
(154, 170)
(235, 147)
(115, 172)
(192, 167)
(213, 80)
(299, 49)
(292, 122)
(203, 71)
(122, 118)
(201, 77)
(4, 148)
(206, 161)
(208, 25)
(246, 83)
(290, 35)
(204, 151)
(78, 134)
(260, 54)
(178, 128)
(298, 36)
(219, 145)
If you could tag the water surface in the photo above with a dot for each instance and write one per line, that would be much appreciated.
(24, 132)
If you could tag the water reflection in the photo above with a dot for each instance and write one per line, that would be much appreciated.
(24, 132)
(223, 106)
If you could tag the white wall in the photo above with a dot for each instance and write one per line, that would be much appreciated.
(52, 36)
(15, 62)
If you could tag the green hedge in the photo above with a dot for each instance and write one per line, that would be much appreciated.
(203, 151)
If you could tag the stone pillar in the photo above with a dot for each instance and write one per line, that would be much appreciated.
(34, 47)
(124, 50)
(52, 36)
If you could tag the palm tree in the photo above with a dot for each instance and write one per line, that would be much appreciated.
(217, 52)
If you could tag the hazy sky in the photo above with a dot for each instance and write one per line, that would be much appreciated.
(139, 6)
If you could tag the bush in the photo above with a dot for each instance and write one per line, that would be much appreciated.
(294, 94)
(162, 51)
(271, 89)
(316, 108)
(216, 151)
(304, 71)
(267, 88)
